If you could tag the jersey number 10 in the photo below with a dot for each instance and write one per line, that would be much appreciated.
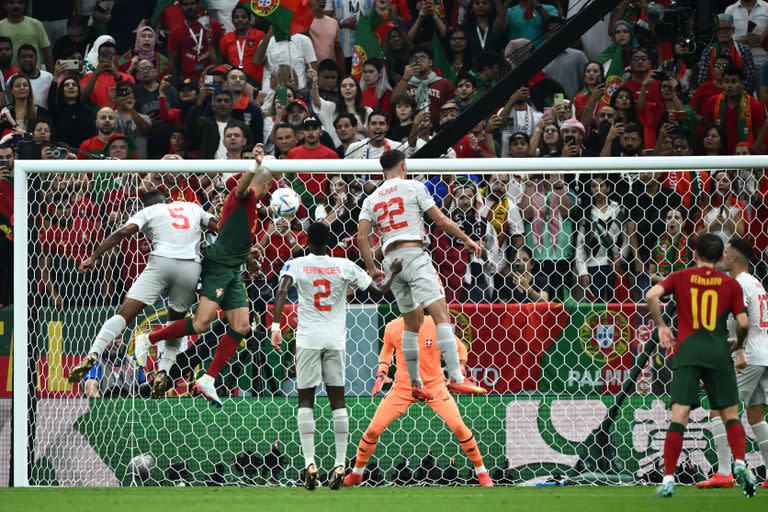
(704, 314)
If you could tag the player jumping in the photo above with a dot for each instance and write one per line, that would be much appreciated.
(704, 297)
(321, 339)
(400, 398)
(173, 266)
(222, 283)
(397, 208)
(751, 365)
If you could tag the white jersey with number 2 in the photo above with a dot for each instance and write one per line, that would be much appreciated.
(321, 283)
(174, 228)
(397, 209)
(756, 302)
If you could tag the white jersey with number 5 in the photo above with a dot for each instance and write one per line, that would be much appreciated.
(174, 228)
(397, 208)
(756, 302)
(321, 283)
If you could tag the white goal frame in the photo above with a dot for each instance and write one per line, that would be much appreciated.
(432, 166)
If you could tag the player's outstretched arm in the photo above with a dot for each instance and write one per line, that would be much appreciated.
(450, 227)
(377, 289)
(245, 180)
(385, 359)
(108, 243)
(742, 329)
(277, 312)
(653, 299)
(364, 230)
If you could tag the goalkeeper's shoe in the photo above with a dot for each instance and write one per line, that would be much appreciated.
(336, 481)
(468, 387)
(352, 479)
(77, 373)
(746, 478)
(485, 479)
(310, 477)
(141, 347)
(205, 385)
(420, 393)
(666, 490)
(159, 385)
(716, 481)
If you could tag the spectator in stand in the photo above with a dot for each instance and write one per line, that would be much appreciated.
(296, 52)
(546, 140)
(101, 16)
(179, 143)
(646, 204)
(518, 115)
(286, 138)
(623, 37)
(275, 116)
(211, 129)
(712, 88)
(376, 143)
(725, 45)
(328, 80)
(591, 97)
(546, 204)
(376, 89)
(280, 243)
(429, 22)
(239, 46)
(601, 242)
(38, 79)
(692, 186)
(713, 143)
(725, 215)
(623, 101)
(750, 20)
(312, 149)
(735, 111)
(466, 86)
(670, 110)
(572, 133)
(131, 123)
(567, 68)
(522, 282)
(347, 14)
(244, 108)
(148, 100)
(429, 90)
(599, 128)
(324, 33)
(78, 37)
(397, 51)
(186, 90)
(525, 20)
(22, 30)
(7, 69)
(145, 48)
(673, 251)
(106, 121)
(402, 121)
(21, 113)
(486, 68)
(346, 131)
(192, 44)
(639, 70)
(350, 100)
(340, 211)
(101, 74)
(482, 29)
(458, 50)
(623, 140)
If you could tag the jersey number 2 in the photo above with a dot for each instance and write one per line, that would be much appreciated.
(180, 221)
(706, 311)
(389, 209)
(323, 294)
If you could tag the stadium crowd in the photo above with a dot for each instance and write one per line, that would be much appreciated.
(136, 79)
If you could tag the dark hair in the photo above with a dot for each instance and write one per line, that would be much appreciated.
(233, 124)
(599, 66)
(283, 126)
(725, 57)
(77, 21)
(734, 70)
(318, 234)
(239, 7)
(225, 91)
(107, 44)
(420, 49)
(375, 62)
(710, 247)
(467, 77)
(487, 59)
(153, 197)
(327, 65)
(181, 130)
(345, 115)
(720, 132)
(7, 145)
(378, 113)
(635, 128)
(229, 72)
(341, 104)
(4, 39)
(741, 246)
(402, 97)
(391, 158)
(26, 47)
(632, 105)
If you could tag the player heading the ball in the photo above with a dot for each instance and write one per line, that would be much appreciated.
(322, 282)
(396, 209)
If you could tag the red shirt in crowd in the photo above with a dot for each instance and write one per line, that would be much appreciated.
(703, 93)
(100, 94)
(278, 250)
(90, 146)
(439, 92)
(231, 47)
(314, 183)
(74, 242)
(732, 119)
(652, 92)
(194, 45)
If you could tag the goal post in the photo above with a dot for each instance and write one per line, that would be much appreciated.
(502, 421)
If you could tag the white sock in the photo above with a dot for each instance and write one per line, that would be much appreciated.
(358, 471)
(446, 343)
(109, 331)
(721, 445)
(410, 345)
(341, 436)
(761, 438)
(306, 418)
(170, 352)
(480, 469)
(668, 478)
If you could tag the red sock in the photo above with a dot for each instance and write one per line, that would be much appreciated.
(737, 439)
(177, 329)
(224, 352)
(673, 445)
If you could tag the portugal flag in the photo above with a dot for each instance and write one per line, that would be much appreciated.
(367, 43)
(614, 72)
(286, 16)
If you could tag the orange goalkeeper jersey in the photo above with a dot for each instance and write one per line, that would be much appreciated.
(430, 366)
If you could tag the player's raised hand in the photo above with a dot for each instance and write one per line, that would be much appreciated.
(277, 341)
(474, 247)
(741, 360)
(396, 267)
(87, 264)
(381, 379)
(376, 274)
(666, 338)
(258, 153)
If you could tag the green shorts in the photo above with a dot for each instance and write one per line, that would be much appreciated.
(223, 285)
(719, 383)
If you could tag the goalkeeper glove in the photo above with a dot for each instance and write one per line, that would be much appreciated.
(381, 379)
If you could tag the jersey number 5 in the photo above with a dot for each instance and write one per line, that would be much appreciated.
(704, 314)
(390, 209)
(180, 221)
(323, 294)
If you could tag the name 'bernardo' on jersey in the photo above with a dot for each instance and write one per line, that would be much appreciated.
(706, 281)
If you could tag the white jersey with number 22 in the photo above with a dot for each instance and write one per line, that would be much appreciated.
(321, 283)
(397, 209)
(756, 302)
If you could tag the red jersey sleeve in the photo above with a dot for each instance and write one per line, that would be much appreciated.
(669, 283)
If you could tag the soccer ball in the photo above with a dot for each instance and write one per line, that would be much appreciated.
(285, 202)
(141, 466)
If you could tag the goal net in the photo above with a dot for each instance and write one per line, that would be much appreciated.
(552, 317)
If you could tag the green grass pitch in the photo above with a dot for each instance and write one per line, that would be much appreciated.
(389, 499)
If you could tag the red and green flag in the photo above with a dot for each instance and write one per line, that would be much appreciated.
(440, 60)
(367, 42)
(614, 72)
(286, 16)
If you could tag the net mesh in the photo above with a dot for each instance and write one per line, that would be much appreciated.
(550, 315)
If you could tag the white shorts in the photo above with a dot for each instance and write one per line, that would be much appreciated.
(753, 385)
(317, 366)
(418, 284)
(176, 278)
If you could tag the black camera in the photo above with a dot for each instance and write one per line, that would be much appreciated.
(58, 153)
